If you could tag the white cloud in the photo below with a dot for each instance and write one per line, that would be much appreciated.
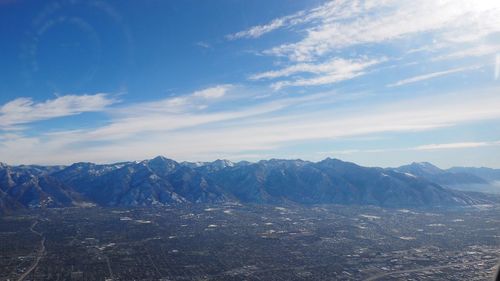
(328, 78)
(195, 101)
(332, 71)
(213, 93)
(340, 9)
(153, 118)
(330, 29)
(384, 21)
(328, 73)
(346, 152)
(456, 145)
(259, 30)
(475, 51)
(335, 65)
(204, 45)
(430, 76)
(250, 130)
(25, 110)
(425, 147)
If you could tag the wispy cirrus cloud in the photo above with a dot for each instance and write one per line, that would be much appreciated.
(424, 147)
(335, 65)
(334, 70)
(259, 30)
(25, 110)
(203, 44)
(249, 129)
(213, 92)
(381, 21)
(331, 9)
(170, 114)
(454, 28)
(331, 72)
(473, 51)
(195, 101)
(431, 76)
(455, 145)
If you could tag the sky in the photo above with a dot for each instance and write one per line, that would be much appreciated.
(380, 83)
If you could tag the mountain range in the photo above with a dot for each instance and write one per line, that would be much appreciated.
(461, 178)
(162, 181)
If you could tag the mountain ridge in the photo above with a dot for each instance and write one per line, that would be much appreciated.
(161, 181)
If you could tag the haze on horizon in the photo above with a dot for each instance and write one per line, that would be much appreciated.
(379, 83)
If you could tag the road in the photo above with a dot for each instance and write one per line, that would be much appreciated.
(40, 253)
(110, 271)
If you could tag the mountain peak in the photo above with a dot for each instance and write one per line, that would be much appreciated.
(329, 159)
(81, 165)
(421, 167)
(161, 163)
(335, 161)
(160, 158)
(223, 162)
(424, 164)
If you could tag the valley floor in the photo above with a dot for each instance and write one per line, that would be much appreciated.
(250, 242)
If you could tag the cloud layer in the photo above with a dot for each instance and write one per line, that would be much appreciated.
(443, 30)
(249, 129)
(25, 110)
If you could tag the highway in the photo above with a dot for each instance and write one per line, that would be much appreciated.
(40, 253)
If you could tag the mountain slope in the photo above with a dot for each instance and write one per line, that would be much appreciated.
(489, 174)
(439, 176)
(149, 182)
(459, 178)
(332, 181)
(164, 181)
(24, 187)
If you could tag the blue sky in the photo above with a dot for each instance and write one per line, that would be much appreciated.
(380, 83)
